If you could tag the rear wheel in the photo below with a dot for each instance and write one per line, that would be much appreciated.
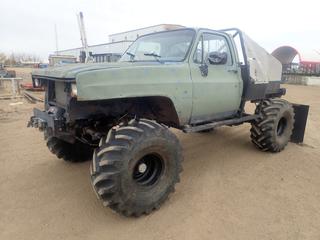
(77, 152)
(136, 167)
(272, 131)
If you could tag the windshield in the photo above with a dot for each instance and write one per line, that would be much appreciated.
(170, 46)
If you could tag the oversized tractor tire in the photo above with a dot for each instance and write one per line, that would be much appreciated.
(272, 131)
(77, 152)
(136, 167)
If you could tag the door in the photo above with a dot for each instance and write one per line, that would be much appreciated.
(216, 79)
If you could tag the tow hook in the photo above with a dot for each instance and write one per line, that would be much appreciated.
(37, 123)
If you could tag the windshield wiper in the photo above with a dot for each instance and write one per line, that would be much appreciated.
(131, 55)
(156, 56)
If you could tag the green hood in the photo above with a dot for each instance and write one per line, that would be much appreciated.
(71, 71)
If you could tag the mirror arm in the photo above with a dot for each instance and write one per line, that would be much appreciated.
(204, 69)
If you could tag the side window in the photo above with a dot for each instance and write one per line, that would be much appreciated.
(214, 46)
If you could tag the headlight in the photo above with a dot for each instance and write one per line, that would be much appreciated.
(74, 90)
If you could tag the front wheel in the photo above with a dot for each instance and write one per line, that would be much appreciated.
(76, 152)
(272, 131)
(136, 167)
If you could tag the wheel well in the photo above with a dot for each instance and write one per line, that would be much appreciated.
(157, 108)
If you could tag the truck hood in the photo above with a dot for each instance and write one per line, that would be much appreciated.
(71, 71)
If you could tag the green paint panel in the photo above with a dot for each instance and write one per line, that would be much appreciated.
(140, 80)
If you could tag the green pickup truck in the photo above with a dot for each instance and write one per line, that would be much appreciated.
(119, 114)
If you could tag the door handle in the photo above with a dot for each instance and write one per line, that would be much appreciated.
(233, 70)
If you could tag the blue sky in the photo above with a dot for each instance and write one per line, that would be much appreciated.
(28, 26)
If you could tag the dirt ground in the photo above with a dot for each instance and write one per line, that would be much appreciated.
(228, 190)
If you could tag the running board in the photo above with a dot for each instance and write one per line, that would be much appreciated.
(228, 122)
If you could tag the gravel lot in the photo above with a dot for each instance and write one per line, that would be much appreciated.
(228, 190)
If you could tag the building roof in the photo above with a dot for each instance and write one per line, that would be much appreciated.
(60, 56)
(286, 54)
(96, 45)
(165, 25)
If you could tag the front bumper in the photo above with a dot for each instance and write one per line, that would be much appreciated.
(51, 121)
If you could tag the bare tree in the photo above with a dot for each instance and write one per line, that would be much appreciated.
(3, 57)
(16, 58)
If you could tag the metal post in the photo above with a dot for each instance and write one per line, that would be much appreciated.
(13, 88)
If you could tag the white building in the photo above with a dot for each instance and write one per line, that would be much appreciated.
(118, 43)
(134, 34)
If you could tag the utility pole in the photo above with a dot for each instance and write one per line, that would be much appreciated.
(56, 37)
(83, 37)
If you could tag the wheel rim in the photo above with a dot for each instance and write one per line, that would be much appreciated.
(282, 125)
(148, 170)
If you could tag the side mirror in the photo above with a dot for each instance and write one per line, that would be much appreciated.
(217, 58)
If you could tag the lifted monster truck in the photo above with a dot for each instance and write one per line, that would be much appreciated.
(120, 113)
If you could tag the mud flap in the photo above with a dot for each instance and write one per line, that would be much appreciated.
(301, 116)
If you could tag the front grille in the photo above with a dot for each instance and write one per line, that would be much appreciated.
(57, 93)
(61, 95)
(51, 91)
